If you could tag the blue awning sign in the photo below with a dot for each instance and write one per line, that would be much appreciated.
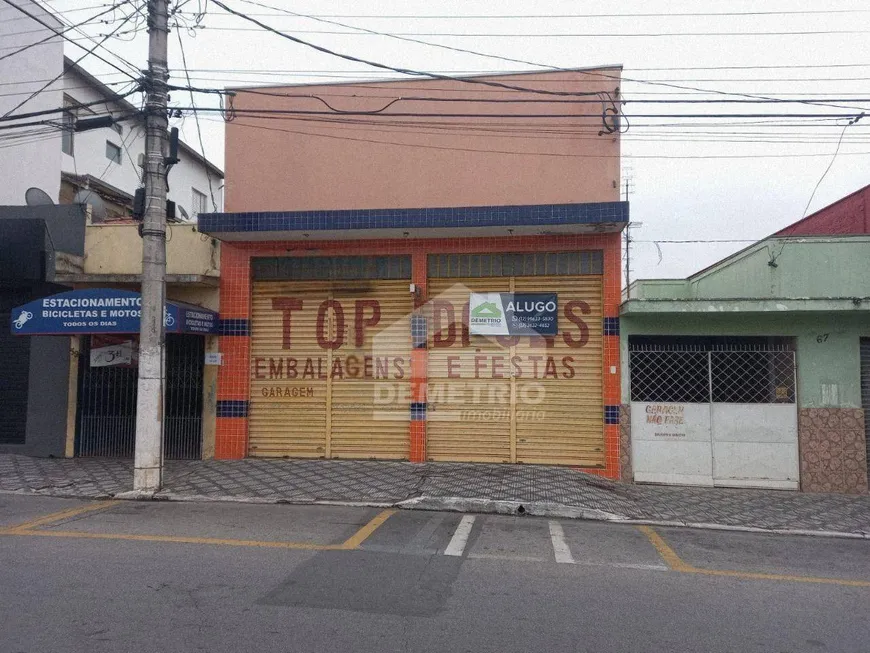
(104, 310)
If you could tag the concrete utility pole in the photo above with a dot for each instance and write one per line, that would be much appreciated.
(148, 463)
(628, 259)
(628, 242)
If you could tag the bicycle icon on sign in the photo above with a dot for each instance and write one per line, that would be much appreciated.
(168, 320)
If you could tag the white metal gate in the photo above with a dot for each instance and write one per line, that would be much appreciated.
(711, 411)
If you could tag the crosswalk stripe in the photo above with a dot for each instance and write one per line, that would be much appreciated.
(560, 546)
(460, 536)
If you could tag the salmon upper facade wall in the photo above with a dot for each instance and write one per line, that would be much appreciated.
(514, 156)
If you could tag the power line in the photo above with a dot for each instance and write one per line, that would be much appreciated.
(405, 71)
(565, 135)
(538, 125)
(64, 31)
(45, 112)
(69, 40)
(354, 80)
(293, 112)
(196, 118)
(830, 165)
(774, 257)
(62, 73)
(56, 124)
(135, 30)
(358, 82)
(463, 50)
(330, 72)
(430, 98)
(68, 27)
(66, 88)
(663, 98)
(551, 16)
(13, 19)
(559, 80)
(33, 123)
(123, 140)
(704, 241)
(526, 153)
(584, 35)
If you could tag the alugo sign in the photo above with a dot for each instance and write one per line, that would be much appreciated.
(103, 310)
(513, 314)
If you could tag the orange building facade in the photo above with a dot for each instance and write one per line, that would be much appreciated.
(372, 229)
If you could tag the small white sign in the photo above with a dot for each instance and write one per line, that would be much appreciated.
(118, 354)
(213, 358)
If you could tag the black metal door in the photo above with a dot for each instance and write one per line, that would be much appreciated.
(106, 414)
(182, 426)
(106, 417)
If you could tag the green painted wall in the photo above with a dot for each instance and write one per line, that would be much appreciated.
(805, 267)
(827, 344)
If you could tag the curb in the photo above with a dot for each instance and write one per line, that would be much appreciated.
(547, 509)
(456, 504)
(206, 498)
(60, 494)
(507, 507)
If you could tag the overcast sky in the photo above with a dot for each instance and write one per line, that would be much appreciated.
(690, 179)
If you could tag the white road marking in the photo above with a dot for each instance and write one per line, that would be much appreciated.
(460, 536)
(560, 546)
(629, 565)
(499, 556)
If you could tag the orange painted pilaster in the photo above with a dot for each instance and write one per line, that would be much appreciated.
(233, 384)
(419, 363)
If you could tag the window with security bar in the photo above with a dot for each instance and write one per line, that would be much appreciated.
(688, 369)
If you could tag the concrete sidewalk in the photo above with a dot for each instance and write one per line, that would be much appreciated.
(532, 489)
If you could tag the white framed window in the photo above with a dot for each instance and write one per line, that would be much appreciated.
(113, 152)
(67, 136)
(199, 202)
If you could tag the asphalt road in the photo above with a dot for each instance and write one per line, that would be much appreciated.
(123, 576)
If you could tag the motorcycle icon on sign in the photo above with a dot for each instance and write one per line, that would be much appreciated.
(22, 319)
(168, 320)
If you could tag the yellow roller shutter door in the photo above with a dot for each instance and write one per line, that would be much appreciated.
(469, 415)
(330, 369)
(521, 399)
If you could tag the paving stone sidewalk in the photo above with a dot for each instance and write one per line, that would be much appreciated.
(384, 482)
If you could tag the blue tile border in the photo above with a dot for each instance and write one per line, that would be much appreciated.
(232, 408)
(419, 331)
(234, 327)
(611, 326)
(418, 410)
(611, 414)
(591, 213)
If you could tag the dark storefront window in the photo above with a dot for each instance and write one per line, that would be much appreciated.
(532, 264)
(330, 268)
